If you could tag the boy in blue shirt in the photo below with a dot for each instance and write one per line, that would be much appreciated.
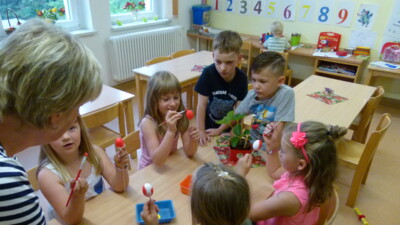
(270, 100)
(221, 85)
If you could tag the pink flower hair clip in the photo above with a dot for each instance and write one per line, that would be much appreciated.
(298, 140)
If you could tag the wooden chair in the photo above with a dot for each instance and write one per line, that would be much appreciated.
(359, 156)
(100, 134)
(361, 124)
(132, 143)
(246, 60)
(32, 178)
(287, 71)
(157, 60)
(329, 209)
(182, 53)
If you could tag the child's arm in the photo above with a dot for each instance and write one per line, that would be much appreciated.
(282, 204)
(57, 195)
(201, 119)
(190, 138)
(287, 45)
(273, 141)
(115, 174)
(159, 152)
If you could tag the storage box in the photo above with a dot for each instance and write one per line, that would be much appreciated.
(201, 14)
(186, 185)
(329, 39)
(166, 213)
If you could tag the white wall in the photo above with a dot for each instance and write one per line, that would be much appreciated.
(102, 25)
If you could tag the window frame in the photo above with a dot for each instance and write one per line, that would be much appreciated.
(127, 18)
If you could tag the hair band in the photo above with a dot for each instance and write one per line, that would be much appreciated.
(298, 140)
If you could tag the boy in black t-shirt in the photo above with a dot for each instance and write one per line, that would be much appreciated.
(221, 85)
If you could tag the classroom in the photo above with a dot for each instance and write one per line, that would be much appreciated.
(342, 68)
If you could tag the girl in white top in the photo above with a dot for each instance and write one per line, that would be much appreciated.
(59, 163)
(159, 139)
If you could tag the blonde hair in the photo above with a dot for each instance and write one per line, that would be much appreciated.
(162, 83)
(227, 41)
(48, 155)
(219, 196)
(276, 28)
(321, 171)
(44, 71)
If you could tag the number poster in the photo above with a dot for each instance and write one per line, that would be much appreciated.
(330, 12)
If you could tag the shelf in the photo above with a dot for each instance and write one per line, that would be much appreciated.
(335, 74)
(335, 66)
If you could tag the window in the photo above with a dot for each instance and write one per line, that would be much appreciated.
(26, 9)
(150, 12)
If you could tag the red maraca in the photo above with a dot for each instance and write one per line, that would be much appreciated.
(119, 143)
(147, 190)
(189, 114)
(257, 145)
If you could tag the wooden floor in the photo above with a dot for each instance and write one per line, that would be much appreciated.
(379, 198)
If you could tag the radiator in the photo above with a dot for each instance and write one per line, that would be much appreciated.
(130, 51)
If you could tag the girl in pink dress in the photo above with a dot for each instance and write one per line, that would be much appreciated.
(159, 139)
(304, 169)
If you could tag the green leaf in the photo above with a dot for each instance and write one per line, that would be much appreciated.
(238, 117)
(237, 130)
(224, 120)
(246, 132)
(235, 141)
(231, 115)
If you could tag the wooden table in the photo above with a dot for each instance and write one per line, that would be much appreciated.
(113, 208)
(181, 67)
(110, 96)
(342, 113)
(375, 71)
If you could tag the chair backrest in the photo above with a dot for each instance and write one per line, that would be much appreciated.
(374, 139)
(247, 54)
(329, 209)
(367, 114)
(157, 60)
(101, 135)
(182, 53)
(32, 178)
(132, 143)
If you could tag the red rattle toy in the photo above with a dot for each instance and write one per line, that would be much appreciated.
(147, 190)
(188, 113)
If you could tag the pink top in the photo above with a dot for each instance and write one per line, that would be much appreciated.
(297, 186)
(145, 158)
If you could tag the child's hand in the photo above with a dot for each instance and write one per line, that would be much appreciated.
(269, 129)
(212, 132)
(171, 119)
(81, 187)
(121, 159)
(150, 213)
(243, 165)
(194, 133)
(204, 138)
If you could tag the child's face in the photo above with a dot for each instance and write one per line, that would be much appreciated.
(287, 156)
(226, 64)
(170, 101)
(265, 84)
(69, 142)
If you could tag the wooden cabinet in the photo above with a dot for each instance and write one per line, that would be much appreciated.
(347, 69)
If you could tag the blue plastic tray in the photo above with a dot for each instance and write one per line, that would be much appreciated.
(167, 212)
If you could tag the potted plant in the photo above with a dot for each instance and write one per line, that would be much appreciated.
(239, 139)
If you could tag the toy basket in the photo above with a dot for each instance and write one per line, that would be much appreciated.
(10, 29)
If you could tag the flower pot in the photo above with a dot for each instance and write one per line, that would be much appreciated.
(236, 154)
